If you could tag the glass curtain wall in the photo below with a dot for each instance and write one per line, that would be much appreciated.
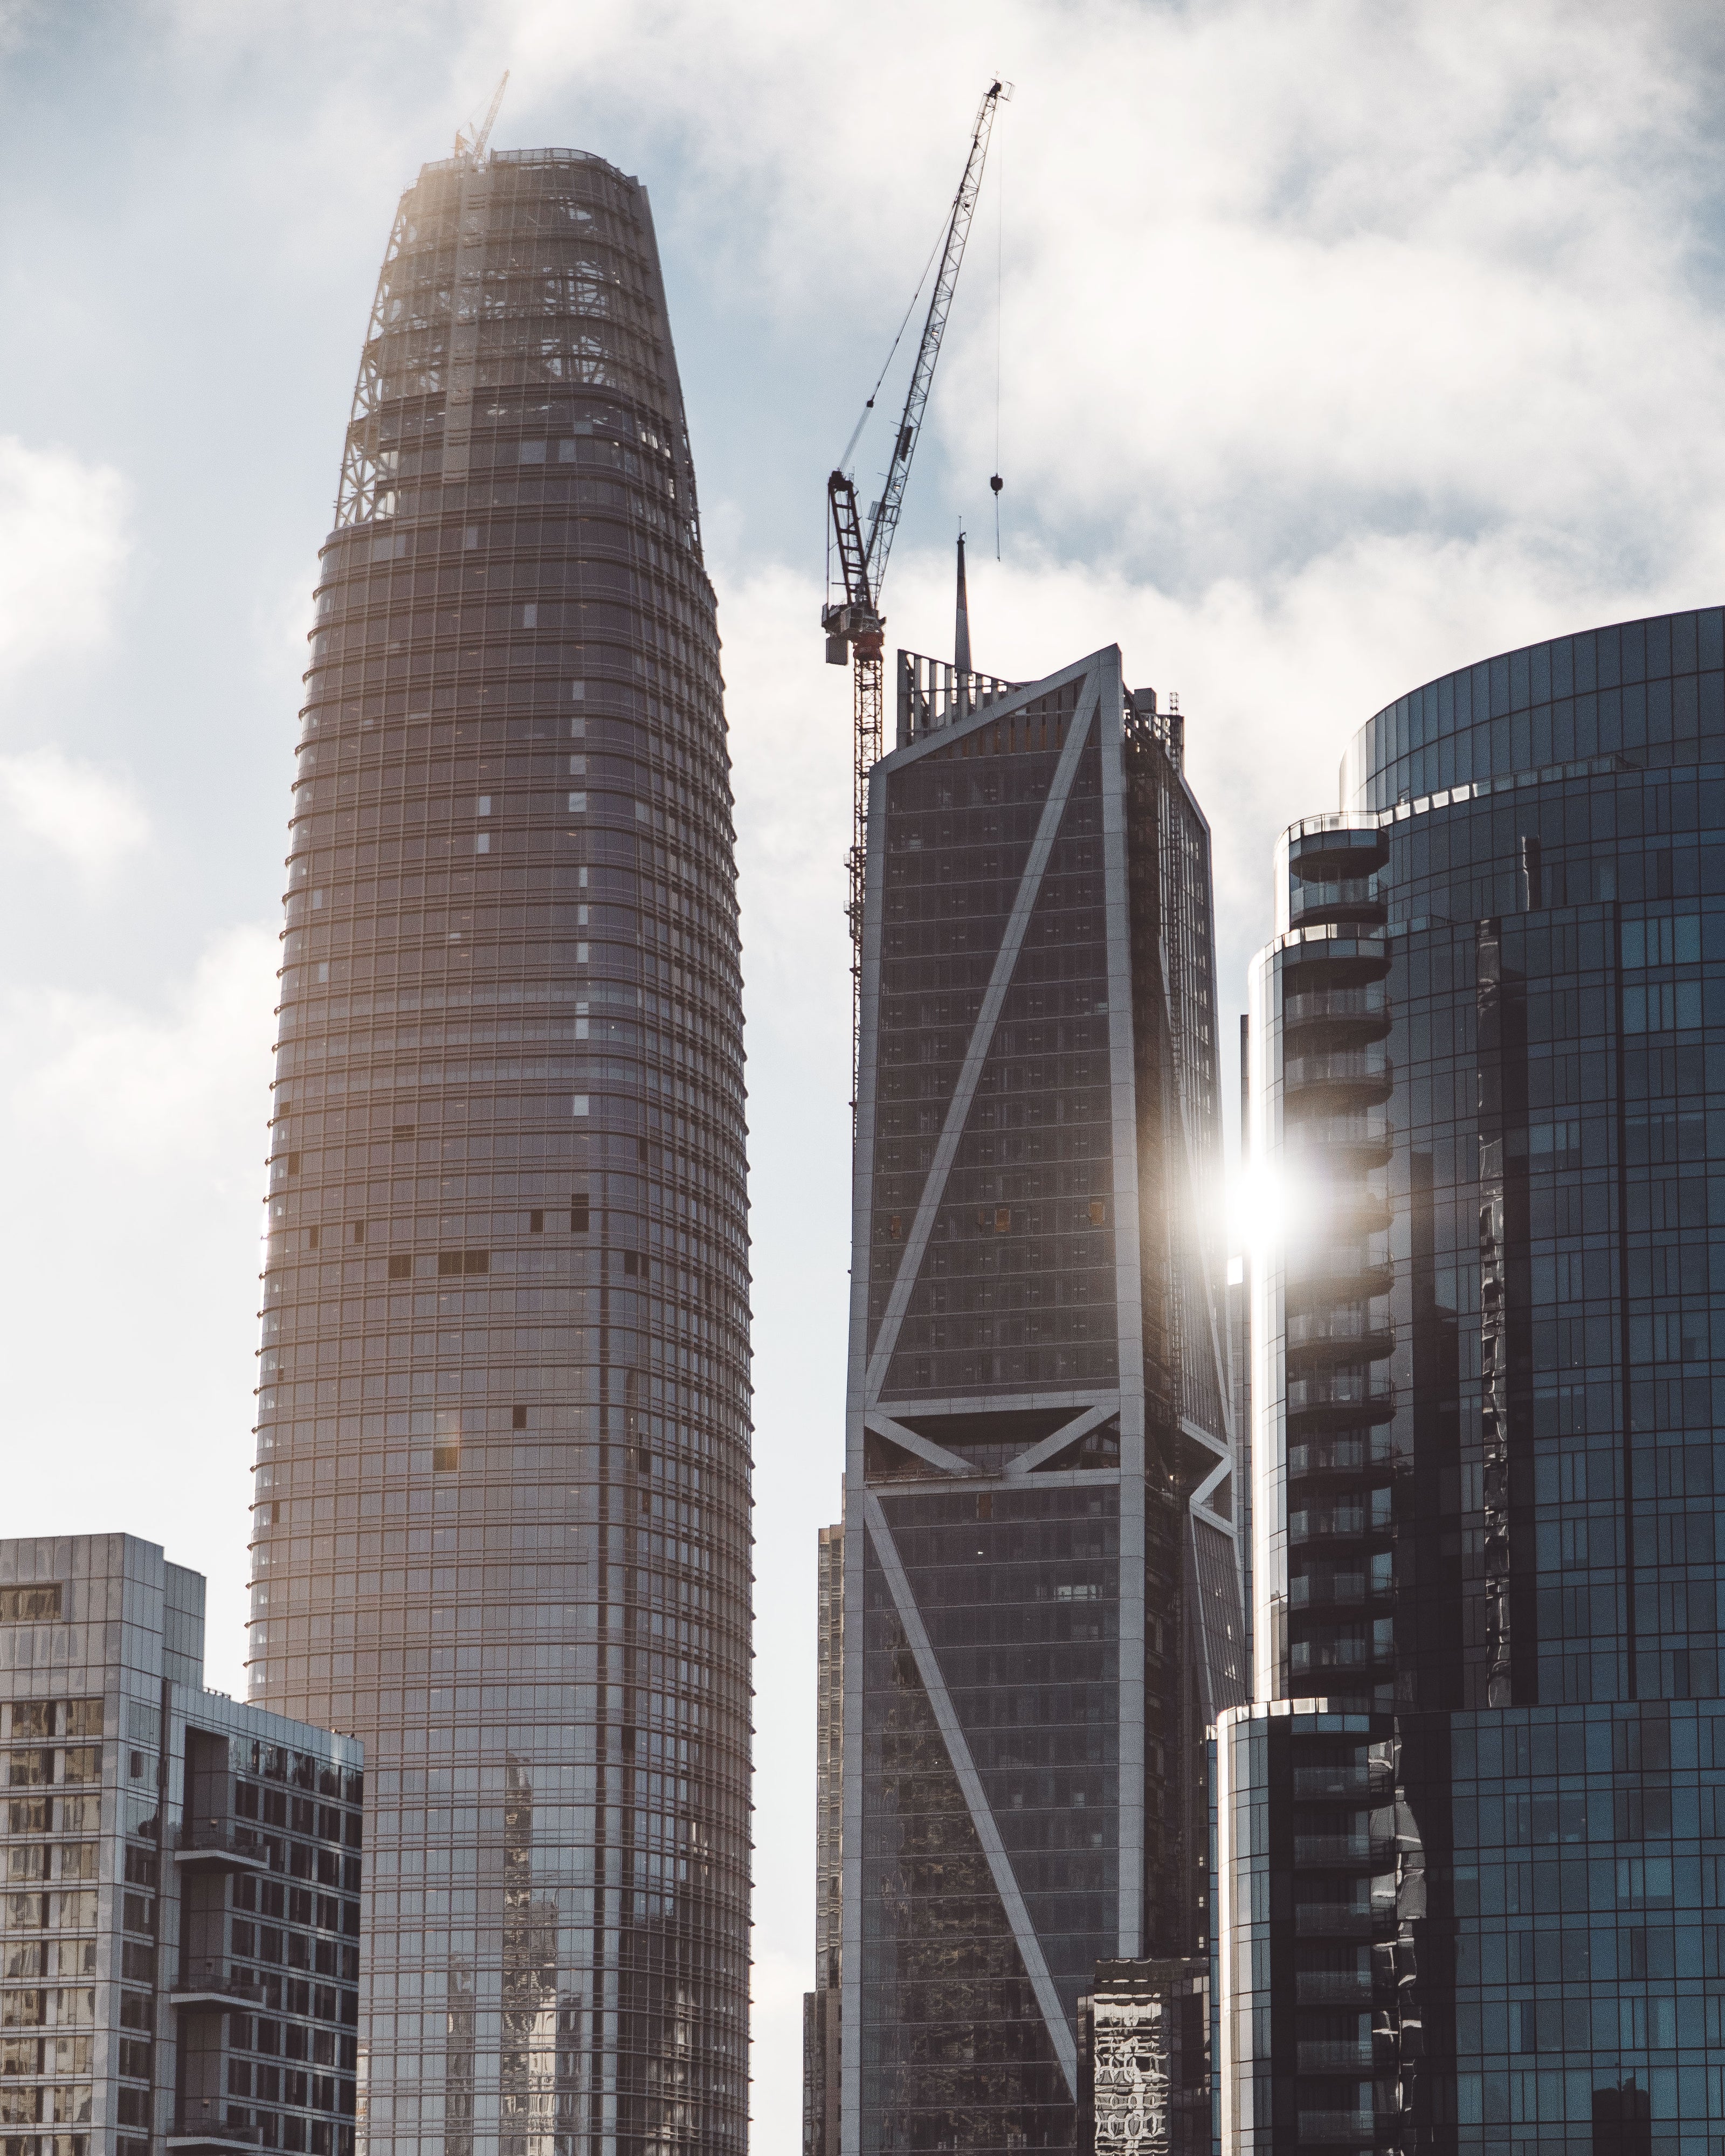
(502, 1523)
(1042, 1588)
(1489, 1369)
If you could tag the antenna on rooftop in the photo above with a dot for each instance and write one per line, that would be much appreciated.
(472, 143)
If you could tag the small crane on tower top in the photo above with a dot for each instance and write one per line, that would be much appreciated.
(470, 142)
(855, 625)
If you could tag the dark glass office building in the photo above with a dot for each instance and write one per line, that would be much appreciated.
(501, 1524)
(1472, 1850)
(1041, 1578)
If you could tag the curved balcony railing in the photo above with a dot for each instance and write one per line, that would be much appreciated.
(1355, 1332)
(1315, 1657)
(1353, 1270)
(1350, 1849)
(1354, 1395)
(1326, 1523)
(1361, 1458)
(1330, 847)
(1373, 1780)
(1358, 1076)
(1358, 1137)
(1360, 1013)
(1352, 903)
(1343, 1590)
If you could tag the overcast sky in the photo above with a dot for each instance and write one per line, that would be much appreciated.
(1340, 344)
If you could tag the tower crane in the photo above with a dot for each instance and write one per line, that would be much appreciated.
(855, 625)
(471, 143)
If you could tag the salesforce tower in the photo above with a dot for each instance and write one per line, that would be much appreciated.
(501, 1507)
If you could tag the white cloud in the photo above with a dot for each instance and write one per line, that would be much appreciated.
(1343, 342)
(63, 542)
(71, 806)
(132, 1141)
(168, 1086)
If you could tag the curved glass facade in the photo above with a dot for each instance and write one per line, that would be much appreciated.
(1489, 1067)
(501, 1521)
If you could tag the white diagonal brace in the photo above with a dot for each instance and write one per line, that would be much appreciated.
(1026, 1463)
(970, 1782)
(936, 1455)
(999, 979)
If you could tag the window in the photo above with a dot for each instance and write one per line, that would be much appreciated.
(482, 842)
(1098, 1212)
(446, 1457)
(580, 1108)
(312, 1238)
(463, 1261)
(519, 1419)
(578, 1214)
(28, 1605)
(535, 1223)
(401, 1267)
(401, 1130)
(484, 805)
(577, 804)
(359, 1231)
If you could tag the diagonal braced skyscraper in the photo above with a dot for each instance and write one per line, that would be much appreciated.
(1042, 1610)
(501, 1523)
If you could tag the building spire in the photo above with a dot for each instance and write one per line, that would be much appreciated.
(961, 642)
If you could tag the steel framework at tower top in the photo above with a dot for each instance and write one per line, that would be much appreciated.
(856, 623)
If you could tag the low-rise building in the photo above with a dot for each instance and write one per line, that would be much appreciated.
(180, 1917)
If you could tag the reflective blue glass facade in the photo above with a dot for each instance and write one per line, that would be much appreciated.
(1487, 1080)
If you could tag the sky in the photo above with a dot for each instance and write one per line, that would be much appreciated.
(1322, 345)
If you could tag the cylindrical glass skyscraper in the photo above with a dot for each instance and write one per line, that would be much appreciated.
(501, 1523)
(1471, 1838)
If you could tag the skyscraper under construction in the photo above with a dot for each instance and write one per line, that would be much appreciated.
(1041, 1606)
(501, 1524)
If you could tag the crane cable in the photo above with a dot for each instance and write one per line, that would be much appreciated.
(856, 431)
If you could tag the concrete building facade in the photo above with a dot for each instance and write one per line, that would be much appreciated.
(179, 1948)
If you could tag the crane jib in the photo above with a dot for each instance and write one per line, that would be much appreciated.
(856, 626)
(884, 524)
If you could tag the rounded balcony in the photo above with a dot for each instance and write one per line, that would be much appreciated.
(1331, 848)
(1341, 1395)
(1328, 1520)
(1334, 961)
(1339, 1013)
(1352, 903)
(1348, 1331)
(1337, 1077)
(1344, 1269)
(1371, 1777)
(1344, 1140)
(1361, 1456)
(1354, 1850)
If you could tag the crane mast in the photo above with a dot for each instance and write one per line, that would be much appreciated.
(855, 625)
